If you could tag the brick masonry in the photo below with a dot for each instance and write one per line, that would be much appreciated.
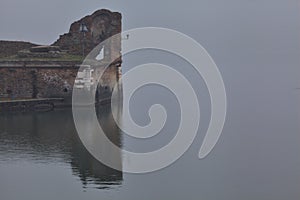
(31, 79)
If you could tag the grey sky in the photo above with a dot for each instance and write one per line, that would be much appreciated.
(235, 32)
(42, 21)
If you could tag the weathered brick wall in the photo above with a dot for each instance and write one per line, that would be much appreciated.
(36, 82)
(107, 82)
(48, 81)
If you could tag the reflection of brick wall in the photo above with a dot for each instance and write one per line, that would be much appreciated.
(101, 25)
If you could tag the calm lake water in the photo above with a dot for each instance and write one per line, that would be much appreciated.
(257, 156)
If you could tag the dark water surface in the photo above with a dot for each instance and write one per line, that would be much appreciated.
(257, 157)
(41, 156)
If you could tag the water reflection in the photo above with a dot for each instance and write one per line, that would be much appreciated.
(88, 168)
(51, 138)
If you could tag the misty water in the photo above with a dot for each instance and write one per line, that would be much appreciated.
(257, 156)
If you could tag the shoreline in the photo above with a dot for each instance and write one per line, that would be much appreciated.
(41, 105)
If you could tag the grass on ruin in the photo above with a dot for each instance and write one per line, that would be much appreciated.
(65, 57)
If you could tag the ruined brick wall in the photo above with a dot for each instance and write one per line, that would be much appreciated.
(107, 82)
(52, 78)
(101, 25)
(26, 81)
(36, 82)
